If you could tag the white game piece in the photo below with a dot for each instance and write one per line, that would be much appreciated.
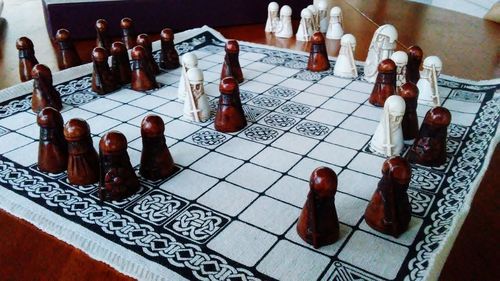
(315, 17)
(345, 66)
(400, 58)
(272, 17)
(285, 29)
(381, 48)
(323, 15)
(305, 30)
(196, 104)
(335, 30)
(427, 84)
(388, 137)
(188, 61)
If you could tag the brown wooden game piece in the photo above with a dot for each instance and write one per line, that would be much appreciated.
(429, 148)
(230, 116)
(142, 78)
(27, 58)
(117, 176)
(83, 162)
(128, 36)
(44, 94)
(409, 92)
(415, 55)
(120, 63)
(389, 210)
(156, 160)
(231, 65)
(144, 41)
(385, 85)
(318, 223)
(102, 40)
(67, 56)
(52, 147)
(318, 57)
(103, 81)
(169, 58)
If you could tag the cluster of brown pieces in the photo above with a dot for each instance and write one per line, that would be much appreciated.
(388, 212)
(69, 148)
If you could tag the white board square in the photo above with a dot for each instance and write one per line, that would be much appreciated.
(172, 109)
(369, 112)
(100, 124)
(240, 148)
(227, 198)
(361, 125)
(332, 154)
(295, 143)
(306, 166)
(360, 86)
(335, 81)
(148, 102)
(25, 155)
(253, 177)
(309, 99)
(327, 116)
(260, 66)
(125, 112)
(296, 84)
(32, 131)
(349, 209)
(347, 138)
(406, 238)
(290, 190)
(77, 113)
(322, 90)
(256, 87)
(179, 129)
(18, 120)
(269, 78)
(184, 153)
(331, 249)
(353, 96)
(357, 184)
(340, 105)
(124, 95)
(100, 106)
(284, 71)
(276, 159)
(189, 184)
(216, 164)
(367, 163)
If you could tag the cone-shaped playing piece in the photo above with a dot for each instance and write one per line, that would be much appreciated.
(169, 58)
(400, 58)
(231, 64)
(230, 116)
(318, 223)
(284, 28)
(103, 40)
(128, 36)
(388, 137)
(385, 85)
(44, 94)
(27, 58)
(142, 78)
(305, 30)
(389, 210)
(272, 21)
(67, 56)
(120, 64)
(345, 66)
(189, 60)
(83, 162)
(117, 179)
(323, 15)
(144, 41)
(428, 83)
(52, 147)
(381, 47)
(409, 92)
(196, 105)
(429, 148)
(335, 30)
(103, 81)
(318, 57)
(156, 160)
(315, 18)
(415, 56)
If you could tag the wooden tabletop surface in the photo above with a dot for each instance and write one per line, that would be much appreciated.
(468, 47)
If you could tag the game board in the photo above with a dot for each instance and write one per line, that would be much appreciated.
(230, 211)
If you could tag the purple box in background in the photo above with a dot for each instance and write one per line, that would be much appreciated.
(151, 16)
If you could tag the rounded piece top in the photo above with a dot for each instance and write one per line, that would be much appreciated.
(322, 5)
(189, 60)
(167, 34)
(386, 66)
(323, 182)
(195, 74)
(40, 70)
(24, 43)
(118, 48)
(228, 85)
(273, 7)
(112, 142)
(397, 168)
(433, 61)
(416, 52)
(63, 35)
(438, 116)
(318, 38)
(388, 30)
(143, 40)
(232, 46)
(126, 23)
(99, 54)
(400, 58)
(138, 53)
(348, 39)
(335, 11)
(101, 25)
(49, 117)
(313, 9)
(152, 126)
(396, 105)
(76, 129)
(408, 91)
(306, 14)
(286, 11)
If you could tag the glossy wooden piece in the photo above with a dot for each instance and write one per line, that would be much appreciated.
(44, 93)
(318, 57)
(83, 162)
(389, 210)
(103, 40)
(27, 58)
(142, 78)
(169, 58)
(144, 41)
(52, 146)
(385, 85)
(67, 55)
(231, 64)
(409, 92)
(156, 160)
(429, 148)
(103, 80)
(120, 63)
(415, 56)
(128, 34)
(117, 179)
(318, 222)
(230, 116)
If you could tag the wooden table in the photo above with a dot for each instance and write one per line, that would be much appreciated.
(468, 47)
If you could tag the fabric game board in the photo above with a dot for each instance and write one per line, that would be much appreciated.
(230, 212)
